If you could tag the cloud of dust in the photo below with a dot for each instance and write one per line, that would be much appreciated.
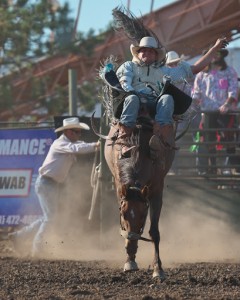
(188, 234)
(191, 234)
(194, 238)
(74, 236)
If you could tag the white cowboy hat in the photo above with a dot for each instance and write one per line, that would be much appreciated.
(149, 42)
(71, 123)
(172, 57)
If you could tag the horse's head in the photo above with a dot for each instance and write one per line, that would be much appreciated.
(133, 210)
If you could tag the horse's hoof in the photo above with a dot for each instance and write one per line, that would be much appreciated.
(130, 266)
(159, 274)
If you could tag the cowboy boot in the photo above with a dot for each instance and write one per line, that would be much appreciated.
(163, 136)
(124, 131)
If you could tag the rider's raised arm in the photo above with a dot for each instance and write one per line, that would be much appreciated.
(207, 58)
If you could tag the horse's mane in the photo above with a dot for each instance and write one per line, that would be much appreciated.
(129, 167)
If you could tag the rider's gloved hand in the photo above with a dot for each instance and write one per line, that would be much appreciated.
(166, 79)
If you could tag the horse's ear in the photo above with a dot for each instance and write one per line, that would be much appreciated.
(122, 191)
(145, 191)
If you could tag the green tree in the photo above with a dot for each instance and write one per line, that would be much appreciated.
(31, 30)
(27, 28)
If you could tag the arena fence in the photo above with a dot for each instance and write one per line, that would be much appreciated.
(186, 159)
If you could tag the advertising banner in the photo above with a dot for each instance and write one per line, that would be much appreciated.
(22, 152)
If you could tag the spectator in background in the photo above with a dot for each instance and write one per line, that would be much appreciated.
(173, 61)
(184, 84)
(216, 90)
(53, 175)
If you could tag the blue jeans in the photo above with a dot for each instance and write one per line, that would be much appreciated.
(48, 193)
(164, 110)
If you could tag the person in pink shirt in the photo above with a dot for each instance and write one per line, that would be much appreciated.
(216, 90)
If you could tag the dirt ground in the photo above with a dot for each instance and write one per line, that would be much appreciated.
(47, 279)
(200, 242)
(55, 279)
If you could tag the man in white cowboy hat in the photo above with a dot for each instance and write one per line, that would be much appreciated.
(173, 59)
(185, 84)
(142, 78)
(53, 175)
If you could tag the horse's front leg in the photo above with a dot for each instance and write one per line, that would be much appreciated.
(155, 211)
(131, 249)
(130, 227)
